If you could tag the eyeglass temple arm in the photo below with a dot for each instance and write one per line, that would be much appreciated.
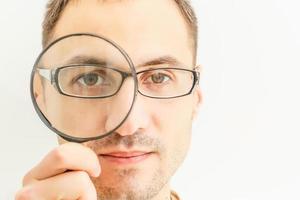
(197, 69)
(45, 73)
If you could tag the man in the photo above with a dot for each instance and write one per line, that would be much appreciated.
(160, 31)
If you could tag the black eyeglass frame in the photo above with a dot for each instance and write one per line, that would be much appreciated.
(54, 74)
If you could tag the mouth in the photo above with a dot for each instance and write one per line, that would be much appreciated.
(123, 157)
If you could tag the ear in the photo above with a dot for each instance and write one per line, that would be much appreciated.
(197, 101)
(38, 91)
(197, 95)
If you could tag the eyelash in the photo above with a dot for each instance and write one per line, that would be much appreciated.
(146, 76)
(76, 78)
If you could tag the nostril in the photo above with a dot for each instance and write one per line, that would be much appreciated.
(129, 127)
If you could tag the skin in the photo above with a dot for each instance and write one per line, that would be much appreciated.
(78, 171)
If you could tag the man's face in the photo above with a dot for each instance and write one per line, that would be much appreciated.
(146, 30)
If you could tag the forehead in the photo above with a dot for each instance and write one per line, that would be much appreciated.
(144, 29)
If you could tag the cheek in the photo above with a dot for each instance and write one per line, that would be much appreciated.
(172, 116)
(173, 123)
(75, 116)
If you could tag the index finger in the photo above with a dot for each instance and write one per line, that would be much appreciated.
(68, 156)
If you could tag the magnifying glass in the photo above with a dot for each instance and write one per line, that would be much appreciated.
(79, 87)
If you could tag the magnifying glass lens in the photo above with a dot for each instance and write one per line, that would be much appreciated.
(80, 88)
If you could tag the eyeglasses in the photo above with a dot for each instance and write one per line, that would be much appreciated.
(97, 81)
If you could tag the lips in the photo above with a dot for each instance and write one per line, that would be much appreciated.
(123, 157)
(125, 154)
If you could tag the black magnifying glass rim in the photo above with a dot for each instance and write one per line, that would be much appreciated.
(43, 117)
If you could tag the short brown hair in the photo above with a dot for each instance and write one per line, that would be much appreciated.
(54, 9)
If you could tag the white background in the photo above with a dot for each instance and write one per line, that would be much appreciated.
(246, 141)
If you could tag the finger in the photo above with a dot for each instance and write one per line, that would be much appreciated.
(70, 185)
(69, 156)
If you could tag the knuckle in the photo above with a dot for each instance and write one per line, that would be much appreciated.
(85, 181)
(26, 179)
(26, 193)
(59, 156)
(83, 177)
(88, 189)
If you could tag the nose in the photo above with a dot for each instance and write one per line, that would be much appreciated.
(137, 119)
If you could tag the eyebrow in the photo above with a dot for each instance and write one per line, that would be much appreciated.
(162, 60)
(85, 60)
(81, 59)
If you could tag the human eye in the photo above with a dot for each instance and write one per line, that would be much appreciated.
(157, 77)
(92, 79)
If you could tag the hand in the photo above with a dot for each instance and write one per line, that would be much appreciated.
(64, 173)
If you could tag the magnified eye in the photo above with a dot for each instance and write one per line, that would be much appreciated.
(91, 79)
